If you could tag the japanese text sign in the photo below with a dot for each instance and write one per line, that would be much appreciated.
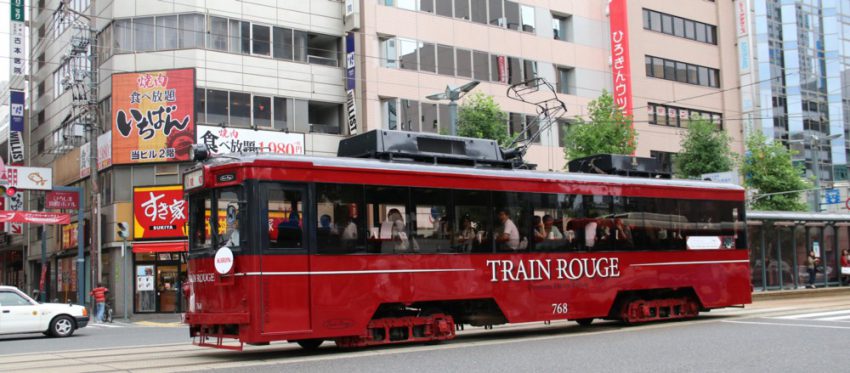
(620, 63)
(232, 140)
(29, 178)
(153, 116)
(159, 212)
(62, 200)
(17, 52)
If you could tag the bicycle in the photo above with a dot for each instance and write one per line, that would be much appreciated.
(108, 311)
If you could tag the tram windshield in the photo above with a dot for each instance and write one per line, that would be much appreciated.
(216, 219)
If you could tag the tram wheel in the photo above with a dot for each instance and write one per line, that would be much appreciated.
(310, 344)
(585, 322)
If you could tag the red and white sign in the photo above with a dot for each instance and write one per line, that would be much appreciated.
(62, 200)
(159, 212)
(223, 260)
(15, 203)
(34, 217)
(29, 178)
(741, 17)
(620, 63)
(233, 140)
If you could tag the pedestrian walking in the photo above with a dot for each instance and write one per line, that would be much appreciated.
(845, 267)
(99, 294)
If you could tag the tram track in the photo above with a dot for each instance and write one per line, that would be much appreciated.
(186, 357)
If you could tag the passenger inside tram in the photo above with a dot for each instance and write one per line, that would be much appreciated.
(507, 237)
(467, 235)
(392, 233)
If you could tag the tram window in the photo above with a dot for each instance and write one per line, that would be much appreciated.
(284, 214)
(340, 222)
(387, 217)
(432, 227)
(230, 227)
(199, 216)
(547, 223)
(714, 219)
(473, 221)
(573, 220)
(512, 222)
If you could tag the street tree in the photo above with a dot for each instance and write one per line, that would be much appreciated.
(769, 172)
(479, 116)
(607, 130)
(704, 150)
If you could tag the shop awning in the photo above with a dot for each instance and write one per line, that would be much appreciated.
(160, 247)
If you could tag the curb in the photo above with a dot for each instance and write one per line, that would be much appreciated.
(802, 293)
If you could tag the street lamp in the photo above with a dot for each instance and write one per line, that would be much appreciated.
(453, 94)
(814, 141)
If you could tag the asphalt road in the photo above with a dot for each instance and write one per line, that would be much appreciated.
(788, 335)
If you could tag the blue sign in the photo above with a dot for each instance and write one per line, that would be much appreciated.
(16, 108)
(832, 197)
(349, 61)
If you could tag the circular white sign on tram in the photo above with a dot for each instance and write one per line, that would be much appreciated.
(223, 260)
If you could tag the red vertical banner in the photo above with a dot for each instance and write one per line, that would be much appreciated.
(620, 64)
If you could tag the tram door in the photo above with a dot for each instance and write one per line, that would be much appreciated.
(285, 282)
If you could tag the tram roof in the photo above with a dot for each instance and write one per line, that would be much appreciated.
(373, 164)
(791, 215)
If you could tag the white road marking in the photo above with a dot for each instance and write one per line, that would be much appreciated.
(838, 318)
(815, 315)
(782, 324)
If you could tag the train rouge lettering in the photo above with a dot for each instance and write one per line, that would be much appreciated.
(202, 277)
(539, 270)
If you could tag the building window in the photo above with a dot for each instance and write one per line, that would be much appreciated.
(406, 4)
(408, 55)
(566, 80)
(389, 110)
(444, 7)
(200, 105)
(280, 111)
(462, 9)
(481, 66)
(426, 6)
(235, 36)
(495, 13)
(262, 111)
(674, 116)
(682, 72)
(144, 34)
(167, 37)
(261, 40)
(664, 159)
(463, 63)
(529, 24)
(240, 109)
(478, 8)
(430, 121)
(282, 38)
(678, 26)
(389, 52)
(409, 115)
(560, 27)
(427, 58)
(324, 117)
(512, 15)
(123, 38)
(529, 69)
(218, 34)
(192, 31)
(217, 107)
(446, 60)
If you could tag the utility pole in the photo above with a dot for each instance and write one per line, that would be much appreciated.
(94, 127)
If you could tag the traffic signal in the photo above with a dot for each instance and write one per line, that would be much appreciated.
(123, 230)
(8, 190)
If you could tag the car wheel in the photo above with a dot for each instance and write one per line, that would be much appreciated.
(62, 326)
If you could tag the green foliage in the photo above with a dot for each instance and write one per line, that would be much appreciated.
(479, 116)
(704, 150)
(606, 131)
(768, 168)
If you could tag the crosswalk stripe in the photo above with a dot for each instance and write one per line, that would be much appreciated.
(814, 315)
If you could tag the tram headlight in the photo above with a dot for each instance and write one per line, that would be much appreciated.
(200, 152)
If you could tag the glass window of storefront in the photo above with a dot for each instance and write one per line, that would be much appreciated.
(158, 280)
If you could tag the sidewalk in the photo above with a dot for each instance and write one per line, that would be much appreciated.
(801, 293)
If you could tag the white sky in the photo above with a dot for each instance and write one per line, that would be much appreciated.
(4, 38)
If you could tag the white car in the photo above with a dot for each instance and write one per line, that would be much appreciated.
(21, 314)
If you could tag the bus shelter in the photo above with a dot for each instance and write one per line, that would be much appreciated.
(779, 243)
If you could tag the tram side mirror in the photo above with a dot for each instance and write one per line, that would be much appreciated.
(200, 152)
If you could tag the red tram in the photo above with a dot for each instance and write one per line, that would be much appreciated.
(366, 252)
